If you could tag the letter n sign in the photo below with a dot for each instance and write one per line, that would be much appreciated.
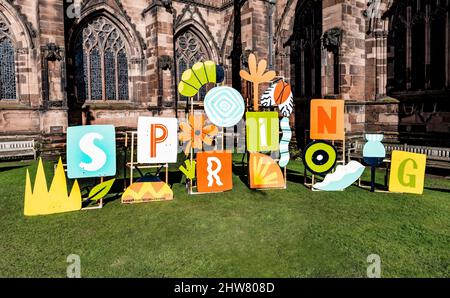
(214, 172)
(157, 140)
(327, 119)
(91, 151)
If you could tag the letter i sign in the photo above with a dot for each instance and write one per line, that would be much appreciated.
(214, 172)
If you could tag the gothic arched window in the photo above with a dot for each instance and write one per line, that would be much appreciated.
(189, 49)
(7, 64)
(417, 44)
(101, 62)
(306, 48)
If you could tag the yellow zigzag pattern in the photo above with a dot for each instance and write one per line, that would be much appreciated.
(40, 201)
(146, 192)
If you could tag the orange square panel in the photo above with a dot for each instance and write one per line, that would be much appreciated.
(214, 172)
(327, 119)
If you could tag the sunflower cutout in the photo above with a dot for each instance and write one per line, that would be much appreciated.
(257, 76)
(195, 133)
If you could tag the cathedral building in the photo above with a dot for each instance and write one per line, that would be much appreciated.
(77, 62)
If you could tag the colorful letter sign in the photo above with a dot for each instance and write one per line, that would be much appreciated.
(320, 157)
(327, 119)
(407, 172)
(262, 131)
(91, 151)
(214, 172)
(157, 140)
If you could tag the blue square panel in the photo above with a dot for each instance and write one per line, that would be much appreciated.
(91, 151)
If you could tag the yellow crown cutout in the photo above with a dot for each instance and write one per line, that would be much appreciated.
(40, 201)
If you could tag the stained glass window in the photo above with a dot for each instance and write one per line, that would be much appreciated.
(96, 75)
(7, 64)
(190, 50)
(110, 73)
(101, 62)
(419, 64)
(123, 74)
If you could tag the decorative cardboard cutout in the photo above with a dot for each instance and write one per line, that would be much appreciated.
(101, 190)
(214, 172)
(264, 172)
(320, 157)
(189, 170)
(284, 144)
(142, 192)
(374, 154)
(257, 75)
(224, 106)
(41, 201)
(199, 75)
(157, 140)
(342, 178)
(327, 119)
(262, 131)
(91, 151)
(407, 172)
(195, 133)
(279, 94)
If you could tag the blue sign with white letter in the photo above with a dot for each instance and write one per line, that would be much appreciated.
(91, 151)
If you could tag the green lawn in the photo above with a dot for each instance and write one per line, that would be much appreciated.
(243, 233)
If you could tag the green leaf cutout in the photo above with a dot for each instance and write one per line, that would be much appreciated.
(189, 170)
(100, 191)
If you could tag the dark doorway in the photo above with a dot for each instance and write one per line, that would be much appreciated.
(306, 58)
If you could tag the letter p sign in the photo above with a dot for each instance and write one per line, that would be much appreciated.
(157, 140)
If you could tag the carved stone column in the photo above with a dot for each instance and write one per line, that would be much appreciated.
(159, 22)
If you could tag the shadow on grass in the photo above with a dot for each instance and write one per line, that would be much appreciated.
(446, 190)
(12, 167)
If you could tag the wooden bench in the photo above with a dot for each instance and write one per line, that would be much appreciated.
(17, 150)
(437, 157)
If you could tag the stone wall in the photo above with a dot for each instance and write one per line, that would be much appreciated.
(44, 58)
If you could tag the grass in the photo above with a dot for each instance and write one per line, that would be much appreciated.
(243, 233)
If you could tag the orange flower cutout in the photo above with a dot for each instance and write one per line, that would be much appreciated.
(195, 133)
(257, 76)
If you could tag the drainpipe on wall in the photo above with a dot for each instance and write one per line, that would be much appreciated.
(272, 4)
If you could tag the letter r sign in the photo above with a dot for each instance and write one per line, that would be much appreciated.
(157, 140)
(214, 172)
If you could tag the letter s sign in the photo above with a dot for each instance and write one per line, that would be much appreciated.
(91, 151)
